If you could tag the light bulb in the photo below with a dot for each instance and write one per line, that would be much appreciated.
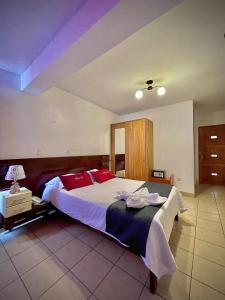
(161, 91)
(139, 94)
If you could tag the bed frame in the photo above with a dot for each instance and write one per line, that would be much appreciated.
(36, 167)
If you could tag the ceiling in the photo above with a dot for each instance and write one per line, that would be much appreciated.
(183, 50)
(27, 26)
(103, 51)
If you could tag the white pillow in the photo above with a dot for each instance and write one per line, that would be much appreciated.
(56, 182)
(92, 177)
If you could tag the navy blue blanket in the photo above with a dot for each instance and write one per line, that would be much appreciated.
(131, 225)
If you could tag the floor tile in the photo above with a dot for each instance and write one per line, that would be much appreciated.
(146, 295)
(92, 297)
(206, 197)
(208, 216)
(209, 273)
(72, 253)
(192, 212)
(193, 200)
(118, 285)
(188, 219)
(44, 228)
(207, 204)
(191, 205)
(201, 291)
(18, 240)
(183, 241)
(184, 228)
(62, 220)
(208, 209)
(133, 265)
(221, 204)
(76, 228)
(91, 237)
(7, 273)
(3, 254)
(110, 249)
(222, 218)
(92, 269)
(212, 226)
(57, 241)
(174, 287)
(184, 260)
(210, 236)
(53, 236)
(41, 277)
(30, 257)
(221, 212)
(14, 291)
(66, 288)
(209, 251)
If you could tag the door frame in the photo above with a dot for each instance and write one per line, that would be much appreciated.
(113, 127)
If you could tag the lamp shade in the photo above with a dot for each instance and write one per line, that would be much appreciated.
(15, 173)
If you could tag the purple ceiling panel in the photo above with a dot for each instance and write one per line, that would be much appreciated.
(28, 26)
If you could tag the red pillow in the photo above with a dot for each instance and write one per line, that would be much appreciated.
(75, 181)
(102, 175)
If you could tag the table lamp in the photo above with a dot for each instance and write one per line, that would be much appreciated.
(15, 173)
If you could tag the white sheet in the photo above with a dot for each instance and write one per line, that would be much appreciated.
(89, 205)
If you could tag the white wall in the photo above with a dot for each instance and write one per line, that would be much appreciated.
(53, 124)
(173, 141)
(205, 118)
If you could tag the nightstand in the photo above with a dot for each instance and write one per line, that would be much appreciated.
(166, 180)
(13, 204)
(16, 209)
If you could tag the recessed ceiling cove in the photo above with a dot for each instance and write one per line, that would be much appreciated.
(27, 27)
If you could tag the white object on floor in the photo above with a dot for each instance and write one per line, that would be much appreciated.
(89, 205)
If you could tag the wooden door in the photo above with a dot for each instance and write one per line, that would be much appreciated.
(212, 154)
(138, 145)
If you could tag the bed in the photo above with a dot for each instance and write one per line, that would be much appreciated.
(89, 205)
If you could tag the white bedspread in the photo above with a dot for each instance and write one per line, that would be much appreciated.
(89, 205)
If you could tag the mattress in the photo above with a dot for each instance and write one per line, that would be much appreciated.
(89, 205)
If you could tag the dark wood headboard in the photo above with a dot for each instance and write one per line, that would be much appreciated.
(34, 167)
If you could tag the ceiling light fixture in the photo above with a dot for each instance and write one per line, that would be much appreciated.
(139, 94)
(160, 91)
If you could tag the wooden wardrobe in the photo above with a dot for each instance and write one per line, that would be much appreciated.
(138, 148)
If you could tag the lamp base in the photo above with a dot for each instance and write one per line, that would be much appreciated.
(15, 188)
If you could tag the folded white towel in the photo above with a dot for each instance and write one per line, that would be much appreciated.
(140, 198)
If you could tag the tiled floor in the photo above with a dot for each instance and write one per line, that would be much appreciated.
(59, 258)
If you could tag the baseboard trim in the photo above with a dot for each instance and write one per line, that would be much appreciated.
(188, 194)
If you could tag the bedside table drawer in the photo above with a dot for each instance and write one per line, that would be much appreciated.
(17, 209)
(18, 199)
(7, 199)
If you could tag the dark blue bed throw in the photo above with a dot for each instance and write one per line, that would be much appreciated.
(131, 225)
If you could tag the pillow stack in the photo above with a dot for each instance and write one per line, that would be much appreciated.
(78, 180)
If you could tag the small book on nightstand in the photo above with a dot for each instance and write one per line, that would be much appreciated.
(37, 200)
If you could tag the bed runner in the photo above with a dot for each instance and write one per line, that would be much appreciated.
(131, 225)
